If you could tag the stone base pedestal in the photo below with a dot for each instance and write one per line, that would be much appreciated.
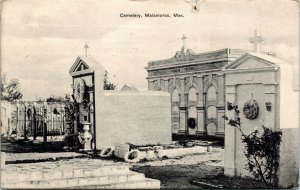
(200, 133)
(87, 145)
(181, 131)
(220, 134)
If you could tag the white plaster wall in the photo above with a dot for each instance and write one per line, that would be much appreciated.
(289, 98)
(134, 117)
(288, 172)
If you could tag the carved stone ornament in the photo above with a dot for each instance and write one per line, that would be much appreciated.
(79, 90)
(251, 109)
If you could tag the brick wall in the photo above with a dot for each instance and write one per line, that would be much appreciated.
(289, 158)
(135, 117)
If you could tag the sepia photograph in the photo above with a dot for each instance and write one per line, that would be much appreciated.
(149, 94)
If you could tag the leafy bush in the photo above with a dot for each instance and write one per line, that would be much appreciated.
(261, 150)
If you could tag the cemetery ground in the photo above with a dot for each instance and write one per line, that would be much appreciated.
(188, 171)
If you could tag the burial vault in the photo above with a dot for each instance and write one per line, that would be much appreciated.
(201, 84)
(269, 82)
(117, 116)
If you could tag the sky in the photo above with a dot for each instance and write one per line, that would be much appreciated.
(41, 39)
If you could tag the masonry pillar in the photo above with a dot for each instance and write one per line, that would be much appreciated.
(220, 107)
(182, 108)
(166, 85)
(270, 106)
(182, 120)
(200, 108)
(201, 123)
(91, 119)
(230, 135)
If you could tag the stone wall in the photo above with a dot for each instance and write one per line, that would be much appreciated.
(136, 117)
(289, 158)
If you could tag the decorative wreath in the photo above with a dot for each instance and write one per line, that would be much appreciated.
(191, 123)
(108, 152)
(251, 109)
(79, 91)
(133, 156)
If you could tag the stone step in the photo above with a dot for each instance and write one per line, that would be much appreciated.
(79, 181)
(147, 183)
(60, 173)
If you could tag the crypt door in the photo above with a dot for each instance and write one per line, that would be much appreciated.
(211, 111)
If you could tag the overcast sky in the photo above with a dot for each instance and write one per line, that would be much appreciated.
(40, 40)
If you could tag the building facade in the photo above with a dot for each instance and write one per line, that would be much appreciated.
(196, 84)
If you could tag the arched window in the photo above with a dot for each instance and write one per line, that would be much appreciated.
(192, 95)
(211, 112)
(211, 93)
(175, 111)
(192, 112)
(175, 95)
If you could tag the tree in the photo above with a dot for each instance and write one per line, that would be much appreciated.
(53, 98)
(10, 90)
(108, 85)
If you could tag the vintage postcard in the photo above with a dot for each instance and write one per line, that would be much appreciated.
(149, 94)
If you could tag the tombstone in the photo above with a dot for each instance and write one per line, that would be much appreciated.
(267, 81)
(118, 116)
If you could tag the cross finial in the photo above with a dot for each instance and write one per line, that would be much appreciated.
(256, 39)
(183, 40)
(86, 48)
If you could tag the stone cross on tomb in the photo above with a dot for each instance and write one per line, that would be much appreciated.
(183, 41)
(256, 40)
(86, 48)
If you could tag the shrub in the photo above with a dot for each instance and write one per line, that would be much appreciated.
(261, 150)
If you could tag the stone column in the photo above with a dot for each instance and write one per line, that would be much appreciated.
(201, 120)
(150, 84)
(182, 94)
(221, 123)
(220, 106)
(182, 108)
(221, 94)
(200, 108)
(182, 120)
(271, 115)
(91, 118)
(166, 85)
(230, 135)
(200, 94)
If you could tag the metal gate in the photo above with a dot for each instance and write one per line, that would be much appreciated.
(35, 119)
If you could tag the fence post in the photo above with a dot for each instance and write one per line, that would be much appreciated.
(34, 121)
(25, 128)
(45, 122)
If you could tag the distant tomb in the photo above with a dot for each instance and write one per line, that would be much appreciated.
(114, 116)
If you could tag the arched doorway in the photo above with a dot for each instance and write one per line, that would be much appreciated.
(211, 111)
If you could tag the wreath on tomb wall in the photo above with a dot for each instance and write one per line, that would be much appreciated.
(251, 109)
(79, 91)
(191, 123)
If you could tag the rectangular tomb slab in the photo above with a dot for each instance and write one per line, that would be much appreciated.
(136, 117)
